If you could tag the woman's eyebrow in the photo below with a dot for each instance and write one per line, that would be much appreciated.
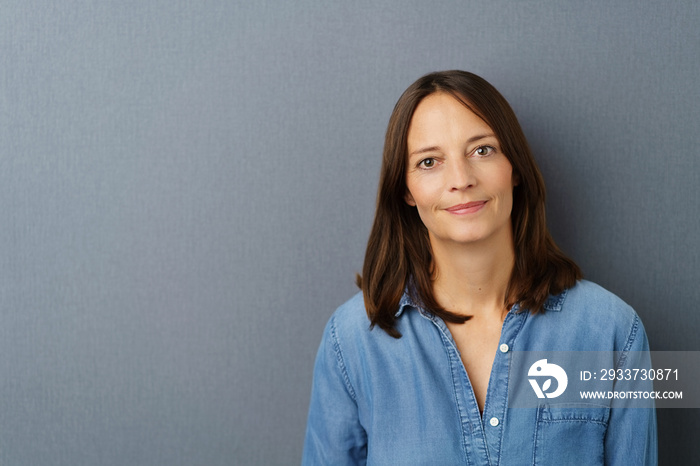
(424, 150)
(480, 136)
(471, 140)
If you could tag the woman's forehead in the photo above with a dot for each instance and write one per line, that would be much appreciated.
(441, 115)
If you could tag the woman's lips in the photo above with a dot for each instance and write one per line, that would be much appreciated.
(468, 208)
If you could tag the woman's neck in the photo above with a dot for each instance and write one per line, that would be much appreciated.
(472, 279)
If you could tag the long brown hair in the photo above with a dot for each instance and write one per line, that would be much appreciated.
(399, 257)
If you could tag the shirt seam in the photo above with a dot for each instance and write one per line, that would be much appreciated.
(341, 361)
(628, 345)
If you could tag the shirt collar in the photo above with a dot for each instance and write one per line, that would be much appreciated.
(405, 301)
(553, 303)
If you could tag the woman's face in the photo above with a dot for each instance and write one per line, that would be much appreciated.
(457, 177)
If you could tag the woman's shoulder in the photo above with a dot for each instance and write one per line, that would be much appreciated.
(351, 313)
(350, 326)
(587, 317)
(349, 320)
(596, 302)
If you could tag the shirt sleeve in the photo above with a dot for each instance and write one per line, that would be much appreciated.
(334, 435)
(631, 436)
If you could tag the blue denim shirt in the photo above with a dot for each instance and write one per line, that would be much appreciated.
(383, 401)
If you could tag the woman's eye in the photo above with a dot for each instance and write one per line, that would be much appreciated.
(427, 163)
(483, 151)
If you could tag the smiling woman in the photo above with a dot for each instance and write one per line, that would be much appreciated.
(458, 178)
(460, 273)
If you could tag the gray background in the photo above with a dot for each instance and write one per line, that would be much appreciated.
(186, 189)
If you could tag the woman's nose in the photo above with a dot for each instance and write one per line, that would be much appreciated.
(461, 174)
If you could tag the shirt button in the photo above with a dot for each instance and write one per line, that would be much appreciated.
(493, 421)
(503, 348)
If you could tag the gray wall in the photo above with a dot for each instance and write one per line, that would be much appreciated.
(186, 189)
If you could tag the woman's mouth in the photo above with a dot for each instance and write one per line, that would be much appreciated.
(468, 208)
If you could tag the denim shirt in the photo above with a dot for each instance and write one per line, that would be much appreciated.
(378, 400)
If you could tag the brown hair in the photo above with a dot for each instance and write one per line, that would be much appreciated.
(398, 253)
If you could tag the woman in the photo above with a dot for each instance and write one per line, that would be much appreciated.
(461, 273)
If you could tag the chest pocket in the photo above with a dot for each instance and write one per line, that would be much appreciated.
(570, 434)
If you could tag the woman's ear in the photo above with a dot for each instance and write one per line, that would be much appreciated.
(409, 199)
